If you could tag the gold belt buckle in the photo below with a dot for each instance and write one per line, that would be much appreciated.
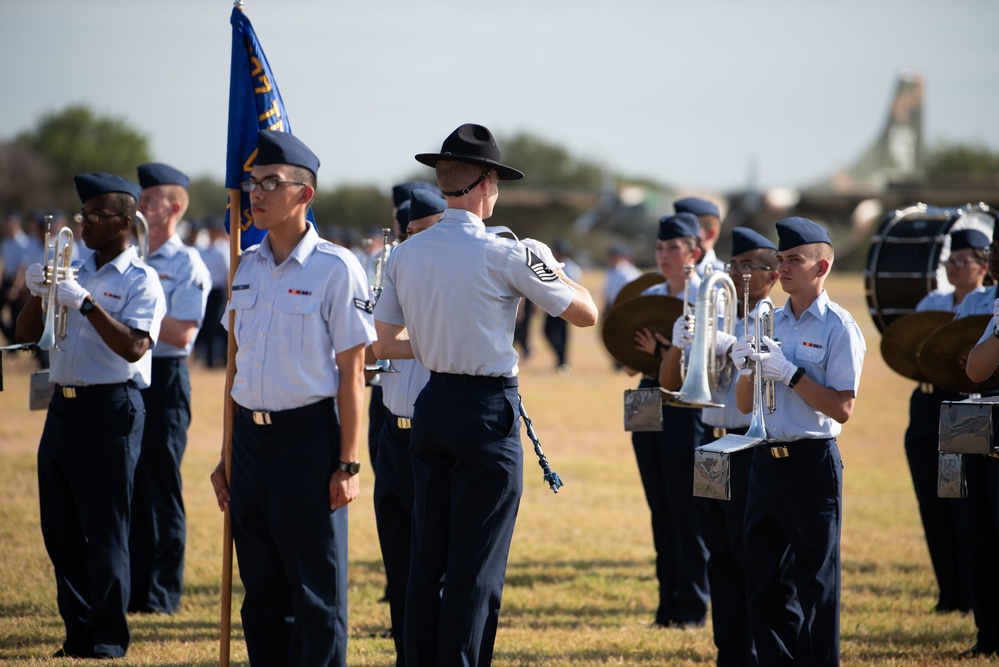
(779, 452)
(261, 418)
(720, 432)
(69, 392)
(404, 422)
(926, 387)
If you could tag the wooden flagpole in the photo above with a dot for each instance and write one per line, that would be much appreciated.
(235, 218)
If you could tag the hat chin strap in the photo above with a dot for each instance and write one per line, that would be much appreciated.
(461, 193)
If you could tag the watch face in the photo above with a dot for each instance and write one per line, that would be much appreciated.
(351, 468)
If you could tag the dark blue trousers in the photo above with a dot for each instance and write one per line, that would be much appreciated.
(376, 417)
(159, 528)
(793, 521)
(468, 479)
(393, 498)
(722, 523)
(945, 520)
(292, 549)
(86, 462)
(982, 538)
(666, 465)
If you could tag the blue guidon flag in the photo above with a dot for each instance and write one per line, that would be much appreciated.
(254, 104)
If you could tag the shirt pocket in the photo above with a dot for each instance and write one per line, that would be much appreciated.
(810, 354)
(242, 303)
(113, 305)
(297, 325)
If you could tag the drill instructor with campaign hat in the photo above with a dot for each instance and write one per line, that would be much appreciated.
(450, 300)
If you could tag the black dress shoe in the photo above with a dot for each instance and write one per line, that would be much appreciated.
(980, 650)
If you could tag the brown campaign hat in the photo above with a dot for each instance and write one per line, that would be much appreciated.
(655, 312)
(901, 341)
(943, 356)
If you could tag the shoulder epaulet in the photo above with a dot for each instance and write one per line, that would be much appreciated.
(327, 247)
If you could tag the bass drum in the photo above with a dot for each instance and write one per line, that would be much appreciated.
(904, 262)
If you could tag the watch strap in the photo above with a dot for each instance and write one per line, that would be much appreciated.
(798, 374)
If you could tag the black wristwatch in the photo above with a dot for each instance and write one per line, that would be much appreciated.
(351, 468)
(995, 331)
(798, 374)
(87, 306)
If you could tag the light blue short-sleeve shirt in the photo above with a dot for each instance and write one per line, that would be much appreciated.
(185, 280)
(399, 390)
(128, 290)
(293, 319)
(456, 287)
(826, 341)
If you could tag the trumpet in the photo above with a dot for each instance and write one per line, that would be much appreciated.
(58, 255)
(763, 390)
(704, 371)
(382, 365)
(140, 227)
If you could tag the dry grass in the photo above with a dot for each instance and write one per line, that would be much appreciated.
(580, 585)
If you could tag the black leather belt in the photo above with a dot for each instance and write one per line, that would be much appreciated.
(452, 379)
(269, 417)
(169, 361)
(90, 391)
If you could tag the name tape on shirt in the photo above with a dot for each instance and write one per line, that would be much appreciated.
(539, 267)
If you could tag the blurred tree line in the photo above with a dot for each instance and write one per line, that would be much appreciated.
(37, 168)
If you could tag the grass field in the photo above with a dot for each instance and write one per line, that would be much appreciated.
(580, 587)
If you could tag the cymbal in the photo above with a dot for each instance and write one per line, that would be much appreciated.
(656, 312)
(944, 354)
(902, 339)
(637, 286)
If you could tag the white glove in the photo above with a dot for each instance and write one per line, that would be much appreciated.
(995, 315)
(741, 351)
(34, 278)
(681, 333)
(775, 364)
(543, 252)
(723, 341)
(71, 294)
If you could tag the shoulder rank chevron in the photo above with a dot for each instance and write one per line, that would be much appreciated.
(540, 268)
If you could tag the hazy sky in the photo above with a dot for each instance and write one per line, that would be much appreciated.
(683, 92)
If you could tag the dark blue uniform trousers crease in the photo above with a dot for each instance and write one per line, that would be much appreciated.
(944, 519)
(393, 497)
(86, 462)
(982, 538)
(793, 522)
(292, 550)
(159, 528)
(468, 479)
(722, 523)
(666, 465)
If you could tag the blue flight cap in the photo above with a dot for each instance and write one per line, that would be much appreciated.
(425, 202)
(697, 206)
(89, 186)
(745, 239)
(793, 232)
(284, 148)
(402, 191)
(620, 250)
(968, 238)
(157, 173)
(679, 225)
(402, 215)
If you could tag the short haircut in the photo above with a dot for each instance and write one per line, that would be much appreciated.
(177, 194)
(453, 175)
(302, 174)
(710, 222)
(123, 203)
(766, 257)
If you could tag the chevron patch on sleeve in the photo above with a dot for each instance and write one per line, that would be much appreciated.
(365, 305)
(539, 267)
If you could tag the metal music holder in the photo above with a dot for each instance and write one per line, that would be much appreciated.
(951, 482)
(968, 427)
(712, 465)
(643, 409)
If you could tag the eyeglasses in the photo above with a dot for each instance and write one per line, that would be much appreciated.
(94, 218)
(960, 263)
(267, 184)
(745, 267)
